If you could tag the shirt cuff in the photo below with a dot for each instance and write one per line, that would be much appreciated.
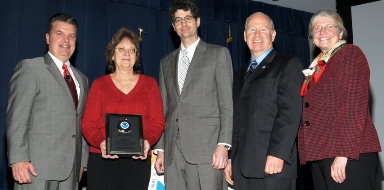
(156, 150)
(225, 144)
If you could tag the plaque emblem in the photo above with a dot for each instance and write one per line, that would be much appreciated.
(124, 135)
(124, 126)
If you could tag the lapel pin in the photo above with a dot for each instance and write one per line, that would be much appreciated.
(263, 67)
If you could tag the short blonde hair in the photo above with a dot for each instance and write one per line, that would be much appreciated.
(332, 15)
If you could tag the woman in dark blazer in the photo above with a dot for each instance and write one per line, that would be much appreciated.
(337, 135)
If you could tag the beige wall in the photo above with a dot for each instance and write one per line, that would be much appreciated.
(368, 34)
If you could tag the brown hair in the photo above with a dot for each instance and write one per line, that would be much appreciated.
(184, 5)
(117, 38)
(63, 18)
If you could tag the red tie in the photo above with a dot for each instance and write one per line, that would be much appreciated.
(71, 84)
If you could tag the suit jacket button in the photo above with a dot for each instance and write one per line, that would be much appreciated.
(307, 123)
(181, 103)
(73, 136)
(177, 119)
(306, 104)
(237, 135)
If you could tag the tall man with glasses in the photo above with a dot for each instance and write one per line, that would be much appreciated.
(196, 87)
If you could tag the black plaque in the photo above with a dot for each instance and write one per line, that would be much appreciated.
(124, 135)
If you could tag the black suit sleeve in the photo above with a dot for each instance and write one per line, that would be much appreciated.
(289, 103)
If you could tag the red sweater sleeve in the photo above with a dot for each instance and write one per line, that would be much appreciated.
(156, 119)
(92, 126)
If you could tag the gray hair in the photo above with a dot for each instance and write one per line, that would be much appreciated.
(332, 15)
(269, 18)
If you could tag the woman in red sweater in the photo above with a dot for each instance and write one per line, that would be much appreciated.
(337, 135)
(123, 91)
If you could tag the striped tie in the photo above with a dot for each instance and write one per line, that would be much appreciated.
(251, 68)
(183, 68)
(71, 84)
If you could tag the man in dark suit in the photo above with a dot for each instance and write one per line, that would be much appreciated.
(267, 110)
(47, 95)
(198, 108)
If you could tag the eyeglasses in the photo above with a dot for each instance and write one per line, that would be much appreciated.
(326, 28)
(178, 20)
(123, 50)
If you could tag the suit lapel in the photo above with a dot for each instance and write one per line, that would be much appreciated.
(174, 70)
(242, 74)
(198, 58)
(52, 68)
(81, 84)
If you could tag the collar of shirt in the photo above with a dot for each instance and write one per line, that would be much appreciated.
(59, 64)
(191, 50)
(261, 57)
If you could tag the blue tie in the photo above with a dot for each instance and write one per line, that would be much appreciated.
(251, 68)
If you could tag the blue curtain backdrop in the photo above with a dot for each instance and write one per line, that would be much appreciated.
(23, 26)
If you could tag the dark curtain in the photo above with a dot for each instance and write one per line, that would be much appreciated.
(23, 27)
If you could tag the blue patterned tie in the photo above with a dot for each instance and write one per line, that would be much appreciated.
(251, 68)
